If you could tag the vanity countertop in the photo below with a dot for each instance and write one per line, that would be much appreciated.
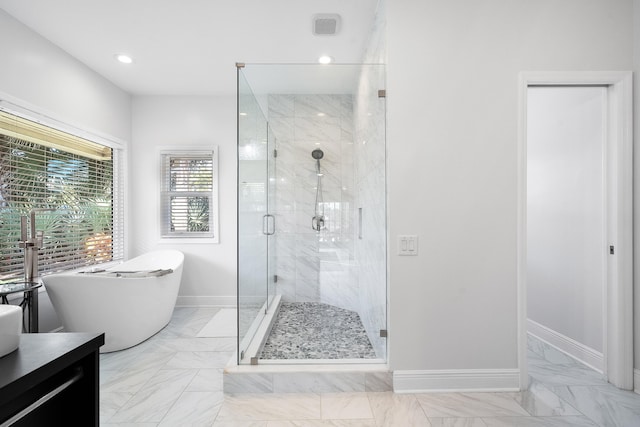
(41, 362)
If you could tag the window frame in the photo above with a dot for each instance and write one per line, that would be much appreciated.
(214, 211)
(120, 147)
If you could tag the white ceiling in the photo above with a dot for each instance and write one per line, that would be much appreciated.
(190, 47)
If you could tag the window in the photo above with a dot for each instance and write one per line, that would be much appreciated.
(188, 197)
(72, 184)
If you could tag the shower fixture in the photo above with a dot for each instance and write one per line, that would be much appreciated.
(317, 222)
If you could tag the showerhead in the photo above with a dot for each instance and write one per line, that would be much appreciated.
(317, 154)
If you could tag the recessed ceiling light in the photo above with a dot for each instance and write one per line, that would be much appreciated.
(125, 59)
(325, 59)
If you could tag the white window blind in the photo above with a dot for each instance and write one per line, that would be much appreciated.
(75, 187)
(187, 195)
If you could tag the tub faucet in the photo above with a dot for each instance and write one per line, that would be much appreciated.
(31, 245)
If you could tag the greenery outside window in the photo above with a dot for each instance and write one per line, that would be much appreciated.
(188, 197)
(74, 186)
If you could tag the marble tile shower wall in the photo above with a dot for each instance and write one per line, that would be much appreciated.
(314, 266)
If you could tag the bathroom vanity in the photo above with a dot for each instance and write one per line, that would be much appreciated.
(52, 379)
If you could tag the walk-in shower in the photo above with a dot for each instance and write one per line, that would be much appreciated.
(318, 293)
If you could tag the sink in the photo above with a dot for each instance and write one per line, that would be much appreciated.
(10, 328)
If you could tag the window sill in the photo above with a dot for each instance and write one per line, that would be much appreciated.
(188, 240)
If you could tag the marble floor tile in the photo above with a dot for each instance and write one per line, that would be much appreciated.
(168, 345)
(125, 381)
(110, 403)
(549, 353)
(189, 325)
(198, 408)
(457, 422)
(536, 359)
(539, 401)
(318, 382)
(539, 422)
(174, 378)
(555, 356)
(322, 423)
(391, 409)
(378, 381)
(119, 359)
(606, 405)
(199, 360)
(206, 380)
(236, 423)
(134, 360)
(273, 406)
(345, 406)
(256, 383)
(551, 375)
(130, 424)
(460, 405)
(153, 401)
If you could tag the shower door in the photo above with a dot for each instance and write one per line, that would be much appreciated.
(256, 226)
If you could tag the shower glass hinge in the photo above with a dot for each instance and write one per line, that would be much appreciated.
(241, 355)
(275, 153)
(254, 360)
(383, 333)
(382, 93)
(275, 278)
(612, 250)
(239, 64)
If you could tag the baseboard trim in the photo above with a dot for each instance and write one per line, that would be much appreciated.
(569, 346)
(456, 380)
(636, 380)
(206, 301)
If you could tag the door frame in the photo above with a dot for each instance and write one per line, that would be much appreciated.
(618, 166)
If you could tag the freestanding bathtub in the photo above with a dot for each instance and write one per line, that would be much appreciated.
(129, 302)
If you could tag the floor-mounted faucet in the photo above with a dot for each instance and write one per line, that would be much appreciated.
(31, 244)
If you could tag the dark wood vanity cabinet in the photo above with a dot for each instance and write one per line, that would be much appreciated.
(51, 380)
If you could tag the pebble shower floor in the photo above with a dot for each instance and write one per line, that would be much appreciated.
(308, 330)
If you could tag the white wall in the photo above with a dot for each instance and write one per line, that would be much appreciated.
(41, 75)
(37, 76)
(452, 140)
(565, 224)
(210, 269)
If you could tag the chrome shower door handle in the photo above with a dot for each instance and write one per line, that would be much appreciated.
(268, 225)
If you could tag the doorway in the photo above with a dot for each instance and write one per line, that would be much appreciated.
(574, 221)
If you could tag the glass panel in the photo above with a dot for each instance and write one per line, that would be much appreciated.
(329, 247)
(273, 226)
(252, 210)
(370, 195)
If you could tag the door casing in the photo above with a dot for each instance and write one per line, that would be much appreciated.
(618, 153)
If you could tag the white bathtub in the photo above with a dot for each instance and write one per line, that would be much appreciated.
(128, 309)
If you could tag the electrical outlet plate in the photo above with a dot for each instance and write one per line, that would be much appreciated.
(408, 245)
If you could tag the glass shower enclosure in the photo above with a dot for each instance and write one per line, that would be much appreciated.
(312, 228)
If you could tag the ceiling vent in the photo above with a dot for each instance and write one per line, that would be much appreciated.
(326, 24)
